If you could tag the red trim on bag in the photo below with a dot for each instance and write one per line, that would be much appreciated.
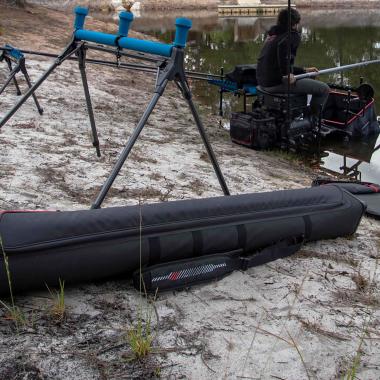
(357, 115)
(2, 212)
(374, 188)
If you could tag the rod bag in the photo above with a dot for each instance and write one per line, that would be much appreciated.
(80, 246)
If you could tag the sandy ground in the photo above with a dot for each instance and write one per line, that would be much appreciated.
(312, 316)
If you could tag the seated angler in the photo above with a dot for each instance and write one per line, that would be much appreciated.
(272, 65)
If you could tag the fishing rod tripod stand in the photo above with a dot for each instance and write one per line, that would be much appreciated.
(11, 55)
(75, 47)
(169, 66)
(172, 70)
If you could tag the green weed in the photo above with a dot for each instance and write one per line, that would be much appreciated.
(140, 337)
(58, 307)
(14, 313)
(353, 370)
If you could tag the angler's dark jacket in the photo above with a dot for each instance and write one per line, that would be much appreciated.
(272, 64)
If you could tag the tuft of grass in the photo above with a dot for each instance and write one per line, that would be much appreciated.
(353, 370)
(140, 339)
(286, 155)
(362, 283)
(58, 307)
(14, 313)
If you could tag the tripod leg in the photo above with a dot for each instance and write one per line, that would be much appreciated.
(70, 50)
(11, 76)
(82, 68)
(27, 78)
(187, 95)
(124, 154)
(9, 63)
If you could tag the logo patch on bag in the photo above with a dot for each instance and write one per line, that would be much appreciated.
(190, 272)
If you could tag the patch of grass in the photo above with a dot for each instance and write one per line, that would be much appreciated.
(362, 283)
(140, 338)
(169, 187)
(197, 186)
(317, 329)
(353, 370)
(366, 292)
(58, 307)
(283, 154)
(13, 312)
(300, 355)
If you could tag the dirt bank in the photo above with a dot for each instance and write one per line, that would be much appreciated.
(314, 315)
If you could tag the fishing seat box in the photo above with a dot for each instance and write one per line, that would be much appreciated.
(255, 130)
(81, 246)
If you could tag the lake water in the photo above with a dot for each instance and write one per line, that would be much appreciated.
(330, 38)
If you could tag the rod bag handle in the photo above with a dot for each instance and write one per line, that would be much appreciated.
(195, 270)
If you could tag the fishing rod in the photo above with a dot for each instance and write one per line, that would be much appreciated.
(336, 69)
(132, 66)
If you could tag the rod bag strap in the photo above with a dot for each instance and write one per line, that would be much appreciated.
(195, 270)
(279, 250)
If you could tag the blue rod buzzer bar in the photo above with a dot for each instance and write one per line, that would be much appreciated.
(121, 40)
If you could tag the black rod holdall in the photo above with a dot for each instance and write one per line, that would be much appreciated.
(176, 244)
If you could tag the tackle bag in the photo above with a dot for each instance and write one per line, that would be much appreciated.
(256, 130)
(82, 246)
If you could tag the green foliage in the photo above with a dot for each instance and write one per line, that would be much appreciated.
(353, 370)
(140, 338)
(58, 307)
(14, 313)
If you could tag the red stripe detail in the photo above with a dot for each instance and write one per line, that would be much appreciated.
(355, 116)
(374, 188)
(173, 276)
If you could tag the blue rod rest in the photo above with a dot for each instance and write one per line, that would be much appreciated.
(125, 21)
(80, 16)
(13, 52)
(124, 42)
(182, 27)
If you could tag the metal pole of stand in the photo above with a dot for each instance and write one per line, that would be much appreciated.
(221, 93)
(172, 70)
(81, 54)
(319, 131)
(188, 97)
(285, 139)
(124, 154)
(13, 75)
(9, 79)
(28, 81)
(347, 108)
(70, 50)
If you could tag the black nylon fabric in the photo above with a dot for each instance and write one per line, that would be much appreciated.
(29, 231)
(89, 245)
(366, 192)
